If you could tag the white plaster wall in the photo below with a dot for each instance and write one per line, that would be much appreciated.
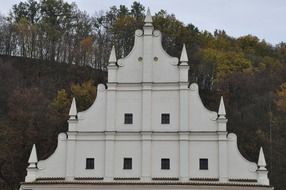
(200, 118)
(165, 69)
(130, 70)
(93, 119)
(127, 149)
(238, 166)
(55, 165)
(165, 102)
(89, 149)
(165, 149)
(128, 102)
(203, 149)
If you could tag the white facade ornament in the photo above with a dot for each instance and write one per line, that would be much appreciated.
(184, 56)
(262, 172)
(73, 110)
(112, 57)
(148, 19)
(221, 110)
(146, 129)
(33, 159)
(261, 159)
(32, 168)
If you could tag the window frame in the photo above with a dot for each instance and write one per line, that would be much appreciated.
(89, 163)
(127, 163)
(165, 164)
(128, 118)
(165, 118)
(204, 163)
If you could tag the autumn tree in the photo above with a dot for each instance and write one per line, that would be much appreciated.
(84, 94)
(281, 97)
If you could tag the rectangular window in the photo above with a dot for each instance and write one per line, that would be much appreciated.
(89, 163)
(204, 165)
(127, 163)
(165, 163)
(128, 118)
(165, 118)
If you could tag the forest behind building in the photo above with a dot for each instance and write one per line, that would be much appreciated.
(51, 51)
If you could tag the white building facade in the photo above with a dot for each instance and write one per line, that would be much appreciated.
(148, 129)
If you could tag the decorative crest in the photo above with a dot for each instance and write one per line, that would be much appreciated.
(261, 159)
(148, 19)
(112, 57)
(184, 56)
(33, 159)
(221, 110)
(73, 110)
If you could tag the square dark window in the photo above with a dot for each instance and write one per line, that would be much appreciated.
(128, 118)
(204, 165)
(127, 163)
(165, 163)
(89, 163)
(165, 118)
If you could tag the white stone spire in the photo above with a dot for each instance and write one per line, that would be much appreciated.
(261, 159)
(221, 110)
(184, 56)
(112, 57)
(73, 110)
(148, 26)
(33, 159)
(262, 177)
(148, 19)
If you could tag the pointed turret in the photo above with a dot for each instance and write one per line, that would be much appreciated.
(148, 26)
(148, 19)
(184, 56)
(221, 110)
(73, 110)
(183, 66)
(112, 58)
(112, 66)
(33, 159)
(262, 177)
(261, 160)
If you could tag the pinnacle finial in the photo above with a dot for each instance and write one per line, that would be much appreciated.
(221, 110)
(184, 56)
(73, 110)
(33, 159)
(112, 57)
(261, 160)
(148, 19)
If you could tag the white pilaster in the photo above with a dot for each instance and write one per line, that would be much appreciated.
(31, 174)
(184, 107)
(112, 74)
(223, 156)
(71, 149)
(148, 48)
(109, 156)
(184, 157)
(146, 156)
(146, 107)
(111, 107)
(72, 125)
